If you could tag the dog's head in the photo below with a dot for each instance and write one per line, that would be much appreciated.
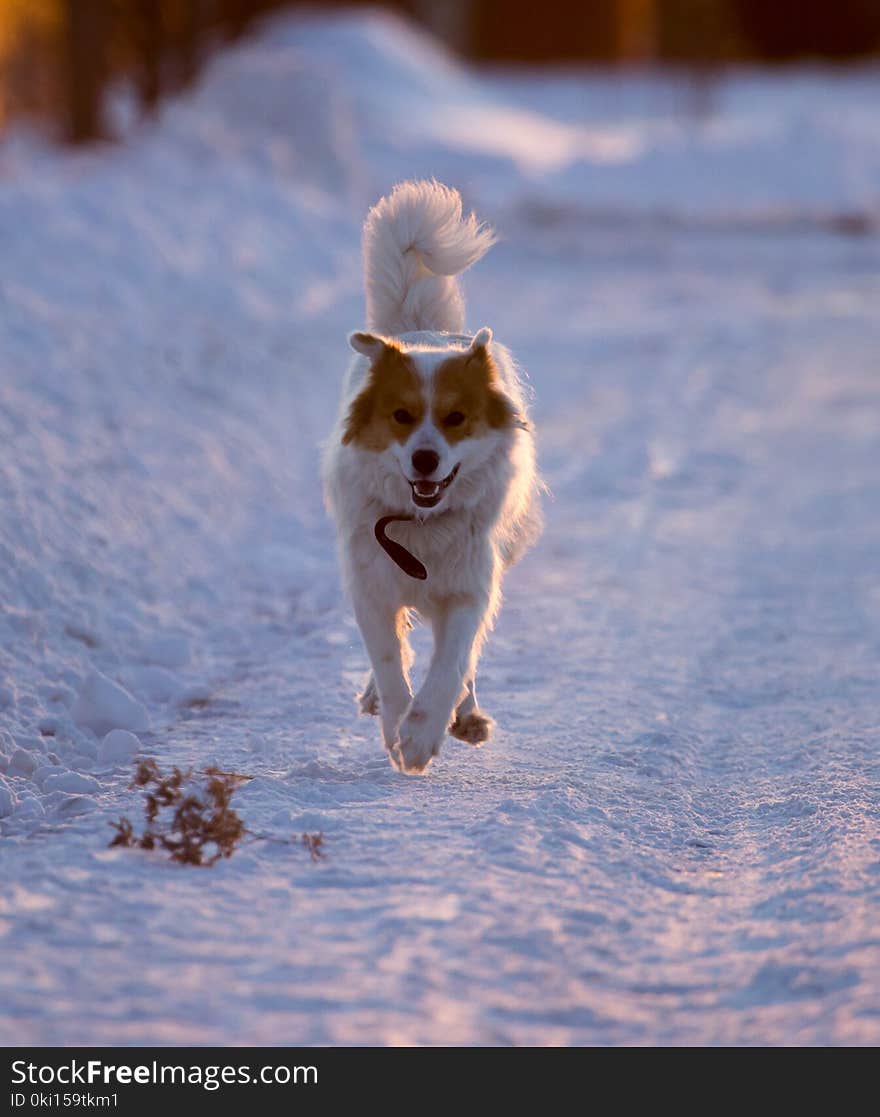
(432, 417)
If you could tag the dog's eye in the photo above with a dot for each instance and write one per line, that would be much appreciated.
(453, 419)
(401, 415)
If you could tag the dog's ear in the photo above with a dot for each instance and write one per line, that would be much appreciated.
(370, 345)
(481, 339)
(479, 359)
(500, 410)
(390, 371)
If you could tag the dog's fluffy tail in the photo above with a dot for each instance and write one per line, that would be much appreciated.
(416, 242)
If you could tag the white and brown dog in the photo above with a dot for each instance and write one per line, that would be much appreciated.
(432, 438)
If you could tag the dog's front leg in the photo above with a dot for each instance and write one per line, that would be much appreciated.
(383, 627)
(456, 631)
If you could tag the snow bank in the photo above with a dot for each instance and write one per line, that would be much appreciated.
(740, 147)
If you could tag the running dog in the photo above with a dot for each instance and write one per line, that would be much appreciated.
(429, 472)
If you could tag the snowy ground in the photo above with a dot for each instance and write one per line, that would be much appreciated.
(674, 837)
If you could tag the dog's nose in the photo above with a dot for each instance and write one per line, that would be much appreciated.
(425, 461)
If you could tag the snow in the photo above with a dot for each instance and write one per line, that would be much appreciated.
(118, 747)
(68, 781)
(102, 705)
(168, 649)
(674, 836)
(7, 799)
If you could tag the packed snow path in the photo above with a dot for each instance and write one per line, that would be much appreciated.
(673, 837)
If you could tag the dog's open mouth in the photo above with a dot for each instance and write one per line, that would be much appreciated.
(426, 494)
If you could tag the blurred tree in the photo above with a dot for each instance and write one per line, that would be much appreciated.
(187, 16)
(636, 27)
(86, 27)
(160, 41)
(702, 33)
(30, 31)
(787, 29)
(522, 31)
(146, 30)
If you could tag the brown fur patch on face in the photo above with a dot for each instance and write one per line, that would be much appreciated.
(393, 386)
(467, 399)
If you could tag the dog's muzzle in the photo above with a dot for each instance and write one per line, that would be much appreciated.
(426, 494)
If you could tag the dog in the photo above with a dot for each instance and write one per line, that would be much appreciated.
(429, 471)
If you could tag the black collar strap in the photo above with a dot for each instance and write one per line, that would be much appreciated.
(405, 559)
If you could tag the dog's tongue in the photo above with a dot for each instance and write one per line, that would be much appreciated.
(427, 488)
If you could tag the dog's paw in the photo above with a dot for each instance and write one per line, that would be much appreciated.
(417, 743)
(475, 728)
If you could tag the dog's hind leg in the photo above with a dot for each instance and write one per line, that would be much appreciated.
(470, 723)
(368, 699)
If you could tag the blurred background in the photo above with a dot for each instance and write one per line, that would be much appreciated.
(58, 57)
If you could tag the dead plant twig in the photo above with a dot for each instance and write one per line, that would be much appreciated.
(189, 814)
